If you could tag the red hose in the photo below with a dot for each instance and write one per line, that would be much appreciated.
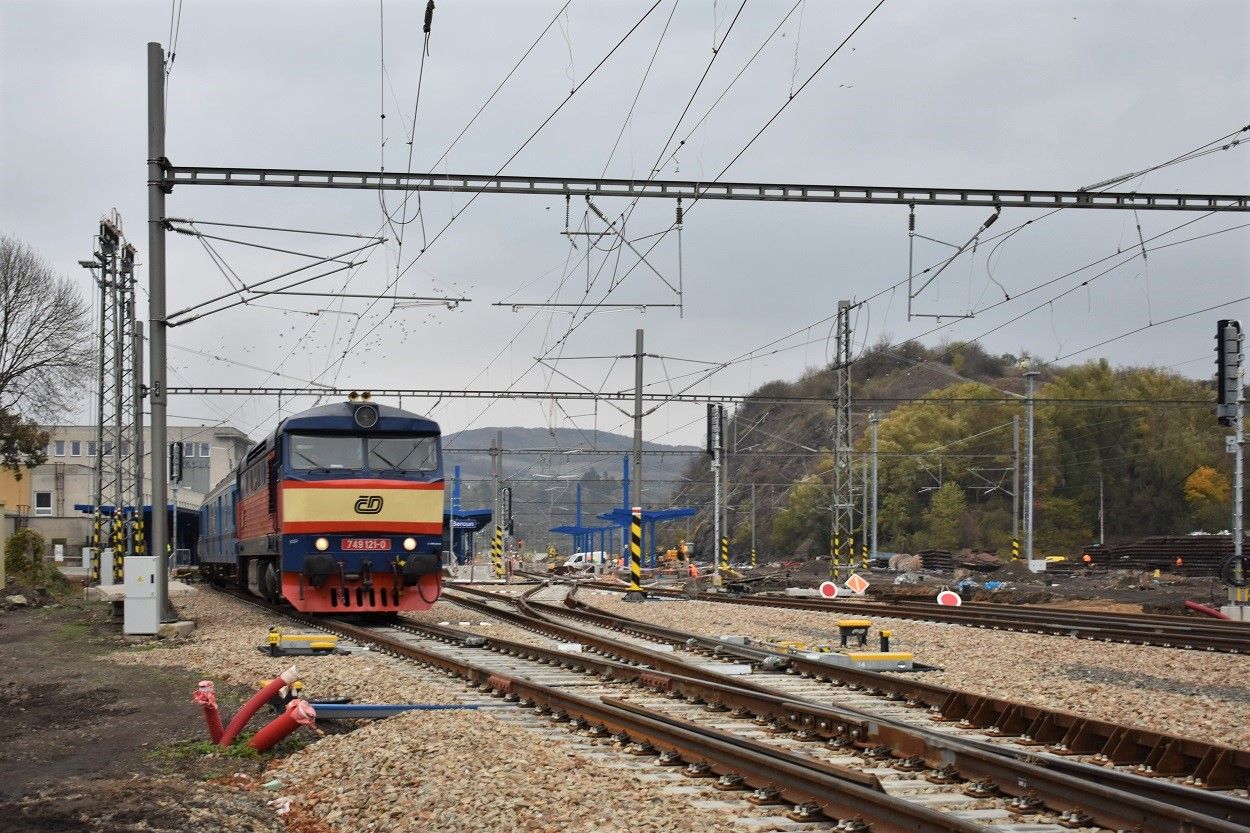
(298, 713)
(206, 696)
(253, 705)
(1201, 608)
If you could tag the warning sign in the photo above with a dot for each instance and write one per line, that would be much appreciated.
(949, 598)
(829, 590)
(857, 584)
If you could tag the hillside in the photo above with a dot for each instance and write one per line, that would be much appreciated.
(945, 467)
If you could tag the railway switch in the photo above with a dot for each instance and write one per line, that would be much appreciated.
(279, 644)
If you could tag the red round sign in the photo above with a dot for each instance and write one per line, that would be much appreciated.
(949, 598)
(829, 590)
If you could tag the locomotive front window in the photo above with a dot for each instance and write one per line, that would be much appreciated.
(403, 453)
(310, 452)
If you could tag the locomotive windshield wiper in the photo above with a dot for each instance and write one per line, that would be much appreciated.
(382, 457)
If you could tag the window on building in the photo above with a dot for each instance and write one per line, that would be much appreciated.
(125, 449)
(108, 447)
(75, 448)
(58, 448)
(204, 450)
(43, 503)
(91, 448)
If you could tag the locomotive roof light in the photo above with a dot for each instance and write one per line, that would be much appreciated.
(353, 396)
(322, 544)
(410, 544)
(366, 395)
(366, 416)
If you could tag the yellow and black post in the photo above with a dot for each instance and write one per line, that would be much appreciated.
(863, 557)
(635, 592)
(118, 547)
(837, 557)
(496, 552)
(1015, 549)
(754, 564)
(724, 552)
(98, 540)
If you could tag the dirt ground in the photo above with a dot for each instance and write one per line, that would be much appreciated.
(89, 745)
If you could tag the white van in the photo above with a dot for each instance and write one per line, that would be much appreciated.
(582, 561)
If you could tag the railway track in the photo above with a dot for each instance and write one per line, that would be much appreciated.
(901, 703)
(774, 746)
(1141, 629)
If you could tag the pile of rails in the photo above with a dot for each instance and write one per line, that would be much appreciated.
(1201, 555)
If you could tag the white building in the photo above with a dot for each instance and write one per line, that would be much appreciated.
(69, 478)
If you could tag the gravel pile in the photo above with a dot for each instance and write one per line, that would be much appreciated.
(223, 649)
(467, 771)
(1196, 694)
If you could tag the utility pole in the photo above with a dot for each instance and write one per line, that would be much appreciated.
(863, 515)
(753, 561)
(1031, 374)
(1015, 478)
(638, 359)
(875, 422)
(1102, 522)
(156, 313)
(715, 446)
(842, 522)
(496, 470)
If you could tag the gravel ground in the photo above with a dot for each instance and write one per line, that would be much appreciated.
(453, 615)
(223, 648)
(1192, 693)
(463, 771)
(470, 772)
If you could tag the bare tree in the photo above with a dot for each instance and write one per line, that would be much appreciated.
(45, 343)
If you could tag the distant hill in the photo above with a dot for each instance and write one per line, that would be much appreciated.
(467, 449)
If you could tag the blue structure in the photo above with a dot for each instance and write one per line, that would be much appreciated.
(459, 530)
(188, 523)
(650, 517)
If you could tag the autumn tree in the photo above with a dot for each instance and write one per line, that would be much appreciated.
(1208, 494)
(943, 520)
(44, 359)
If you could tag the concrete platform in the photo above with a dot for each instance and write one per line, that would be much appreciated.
(117, 592)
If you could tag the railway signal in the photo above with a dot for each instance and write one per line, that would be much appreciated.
(1228, 357)
(949, 598)
(828, 590)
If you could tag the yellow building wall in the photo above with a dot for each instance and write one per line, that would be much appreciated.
(14, 492)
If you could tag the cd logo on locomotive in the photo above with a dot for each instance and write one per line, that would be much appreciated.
(369, 504)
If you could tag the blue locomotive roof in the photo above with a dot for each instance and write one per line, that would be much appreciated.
(339, 416)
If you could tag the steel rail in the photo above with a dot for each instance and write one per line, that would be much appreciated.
(1050, 782)
(774, 774)
(1207, 765)
(1157, 630)
(1008, 771)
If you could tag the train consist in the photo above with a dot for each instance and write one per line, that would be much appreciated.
(339, 509)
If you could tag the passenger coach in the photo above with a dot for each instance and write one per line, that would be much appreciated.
(340, 510)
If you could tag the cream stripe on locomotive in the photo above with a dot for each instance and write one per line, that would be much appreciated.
(385, 507)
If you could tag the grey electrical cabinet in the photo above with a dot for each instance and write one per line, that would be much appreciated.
(142, 616)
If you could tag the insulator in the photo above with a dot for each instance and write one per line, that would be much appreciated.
(429, 16)
(679, 211)
(911, 220)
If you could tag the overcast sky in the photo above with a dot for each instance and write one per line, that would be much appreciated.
(1039, 94)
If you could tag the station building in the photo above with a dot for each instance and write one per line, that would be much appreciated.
(46, 496)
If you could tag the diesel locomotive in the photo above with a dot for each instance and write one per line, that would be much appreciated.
(338, 510)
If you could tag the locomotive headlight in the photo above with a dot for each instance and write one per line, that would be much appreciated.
(410, 544)
(322, 544)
